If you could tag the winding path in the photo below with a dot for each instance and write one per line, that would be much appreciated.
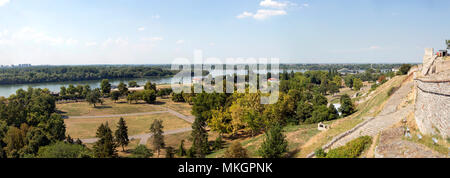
(143, 137)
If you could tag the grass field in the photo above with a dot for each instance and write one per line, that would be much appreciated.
(183, 108)
(107, 108)
(86, 128)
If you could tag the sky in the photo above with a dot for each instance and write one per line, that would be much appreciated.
(59, 32)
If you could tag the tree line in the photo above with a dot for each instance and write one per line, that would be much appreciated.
(40, 74)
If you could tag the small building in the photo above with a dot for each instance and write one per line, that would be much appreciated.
(196, 80)
(442, 53)
(272, 80)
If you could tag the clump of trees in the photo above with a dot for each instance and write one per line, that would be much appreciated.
(28, 121)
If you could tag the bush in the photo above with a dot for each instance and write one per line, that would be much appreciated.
(64, 150)
(236, 151)
(352, 149)
(391, 91)
(141, 151)
(320, 153)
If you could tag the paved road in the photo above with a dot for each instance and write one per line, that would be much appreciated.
(143, 137)
(387, 117)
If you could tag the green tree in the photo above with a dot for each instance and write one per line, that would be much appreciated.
(448, 44)
(122, 134)
(122, 89)
(236, 151)
(181, 151)
(349, 81)
(105, 86)
(141, 151)
(170, 152)
(347, 108)
(63, 91)
(158, 138)
(218, 143)
(105, 147)
(149, 96)
(357, 84)
(15, 141)
(93, 97)
(3, 131)
(115, 96)
(133, 84)
(274, 144)
(404, 69)
(64, 150)
(150, 86)
(332, 113)
(319, 114)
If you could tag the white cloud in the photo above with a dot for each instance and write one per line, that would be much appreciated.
(305, 5)
(271, 8)
(273, 4)
(179, 42)
(265, 13)
(212, 44)
(3, 2)
(141, 29)
(262, 14)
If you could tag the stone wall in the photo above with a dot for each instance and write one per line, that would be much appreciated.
(432, 106)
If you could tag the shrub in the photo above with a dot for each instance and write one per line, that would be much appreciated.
(236, 151)
(392, 91)
(141, 151)
(64, 150)
(352, 149)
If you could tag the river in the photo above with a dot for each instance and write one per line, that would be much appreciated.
(7, 90)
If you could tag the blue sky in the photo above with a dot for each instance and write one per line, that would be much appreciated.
(155, 31)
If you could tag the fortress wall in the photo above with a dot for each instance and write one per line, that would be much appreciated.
(432, 107)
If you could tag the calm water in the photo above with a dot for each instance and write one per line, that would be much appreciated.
(6, 90)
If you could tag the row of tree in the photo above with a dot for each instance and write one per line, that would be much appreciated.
(40, 74)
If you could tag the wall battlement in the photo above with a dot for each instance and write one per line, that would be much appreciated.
(432, 106)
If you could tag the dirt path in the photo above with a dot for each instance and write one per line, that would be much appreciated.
(387, 117)
(143, 137)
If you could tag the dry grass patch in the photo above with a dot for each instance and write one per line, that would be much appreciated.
(107, 108)
(86, 128)
(182, 108)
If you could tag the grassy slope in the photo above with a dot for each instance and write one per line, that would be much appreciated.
(369, 108)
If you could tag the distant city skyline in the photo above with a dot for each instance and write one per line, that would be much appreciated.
(80, 32)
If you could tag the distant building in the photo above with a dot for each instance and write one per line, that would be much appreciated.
(272, 80)
(396, 69)
(344, 71)
(196, 80)
(442, 53)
